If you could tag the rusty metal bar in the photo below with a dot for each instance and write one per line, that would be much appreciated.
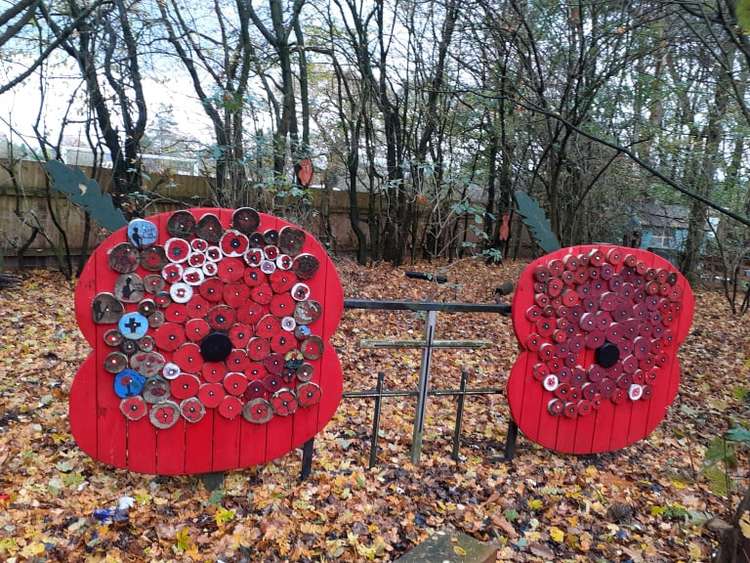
(389, 305)
(459, 415)
(373, 393)
(376, 421)
(454, 344)
(424, 382)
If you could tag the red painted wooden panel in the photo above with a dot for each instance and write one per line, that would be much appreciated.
(612, 426)
(214, 443)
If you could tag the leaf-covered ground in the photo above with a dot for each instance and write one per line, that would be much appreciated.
(644, 503)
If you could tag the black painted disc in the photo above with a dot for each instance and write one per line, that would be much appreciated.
(215, 347)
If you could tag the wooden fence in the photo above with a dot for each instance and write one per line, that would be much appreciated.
(27, 198)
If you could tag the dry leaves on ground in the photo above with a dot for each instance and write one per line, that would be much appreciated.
(646, 502)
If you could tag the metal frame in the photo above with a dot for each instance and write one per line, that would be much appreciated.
(423, 390)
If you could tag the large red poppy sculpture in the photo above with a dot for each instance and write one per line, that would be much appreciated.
(599, 327)
(209, 330)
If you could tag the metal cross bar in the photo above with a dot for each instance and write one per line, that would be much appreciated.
(424, 378)
(454, 344)
(423, 391)
(390, 305)
(374, 393)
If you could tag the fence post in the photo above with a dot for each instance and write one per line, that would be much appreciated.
(459, 415)
(424, 377)
(307, 458)
(376, 421)
(510, 440)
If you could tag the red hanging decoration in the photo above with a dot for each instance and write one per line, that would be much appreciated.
(305, 172)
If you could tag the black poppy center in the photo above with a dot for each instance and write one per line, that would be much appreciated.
(607, 355)
(215, 347)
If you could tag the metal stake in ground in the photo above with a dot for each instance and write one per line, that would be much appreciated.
(424, 379)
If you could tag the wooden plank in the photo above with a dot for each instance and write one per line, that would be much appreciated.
(111, 425)
(141, 434)
(226, 433)
(82, 404)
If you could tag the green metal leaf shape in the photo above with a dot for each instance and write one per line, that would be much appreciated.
(534, 218)
(86, 193)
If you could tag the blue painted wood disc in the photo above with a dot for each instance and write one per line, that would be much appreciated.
(142, 233)
(129, 383)
(133, 326)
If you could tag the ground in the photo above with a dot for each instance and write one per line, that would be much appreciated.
(644, 503)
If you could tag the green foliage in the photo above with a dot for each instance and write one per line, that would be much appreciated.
(536, 221)
(743, 15)
(720, 456)
(738, 434)
(86, 193)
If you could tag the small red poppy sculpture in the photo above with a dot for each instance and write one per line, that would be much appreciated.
(599, 327)
(209, 330)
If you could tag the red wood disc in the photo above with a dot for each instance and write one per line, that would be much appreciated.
(177, 250)
(230, 407)
(212, 290)
(237, 360)
(305, 266)
(176, 313)
(221, 317)
(283, 342)
(188, 357)
(133, 408)
(255, 390)
(262, 294)
(240, 334)
(192, 409)
(255, 370)
(282, 305)
(253, 277)
(213, 372)
(197, 307)
(274, 363)
(245, 220)
(257, 411)
(169, 337)
(209, 228)
(235, 383)
(250, 313)
(211, 394)
(258, 348)
(268, 326)
(253, 257)
(153, 259)
(196, 329)
(282, 281)
(235, 294)
(284, 402)
(184, 386)
(233, 243)
(231, 270)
